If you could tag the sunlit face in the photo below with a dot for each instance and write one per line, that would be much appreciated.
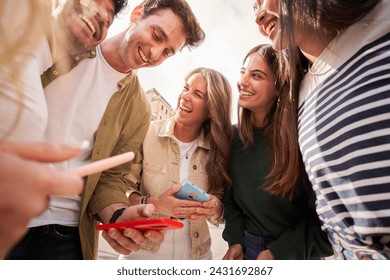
(267, 19)
(192, 106)
(86, 22)
(153, 39)
(257, 85)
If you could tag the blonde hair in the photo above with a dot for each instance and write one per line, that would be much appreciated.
(21, 25)
(217, 128)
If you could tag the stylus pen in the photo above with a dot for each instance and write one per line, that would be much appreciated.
(103, 164)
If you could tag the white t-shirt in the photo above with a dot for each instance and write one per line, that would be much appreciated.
(25, 97)
(177, 243)
(76, 104)
(186, 151)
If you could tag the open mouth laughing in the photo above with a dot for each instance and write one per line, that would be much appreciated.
(185, 109)
(269, 26)
(143, 56)
(246, 93)
(89, 24)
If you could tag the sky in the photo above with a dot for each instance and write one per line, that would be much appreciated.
(231, 32)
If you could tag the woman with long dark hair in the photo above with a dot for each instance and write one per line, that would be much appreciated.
(266, 217)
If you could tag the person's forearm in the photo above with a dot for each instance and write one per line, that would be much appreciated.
(106, 213)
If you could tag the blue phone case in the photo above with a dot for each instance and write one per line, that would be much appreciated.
(191, 191)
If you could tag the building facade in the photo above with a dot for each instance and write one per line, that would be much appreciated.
(161, 109)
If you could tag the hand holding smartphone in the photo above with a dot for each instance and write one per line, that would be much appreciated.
(190, 191)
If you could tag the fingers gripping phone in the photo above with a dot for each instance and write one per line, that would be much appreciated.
(191, 191)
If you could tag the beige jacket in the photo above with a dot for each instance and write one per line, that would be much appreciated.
(158, 160)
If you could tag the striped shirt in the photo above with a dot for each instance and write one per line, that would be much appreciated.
(344, 137)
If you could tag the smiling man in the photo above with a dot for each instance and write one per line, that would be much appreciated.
(85, 23)
(101, 100)
(78, 26)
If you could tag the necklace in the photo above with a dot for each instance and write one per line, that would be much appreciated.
(186, 148)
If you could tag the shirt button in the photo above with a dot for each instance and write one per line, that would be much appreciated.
(194, 167)
(55, 72)
(77, 58)
(196, 235)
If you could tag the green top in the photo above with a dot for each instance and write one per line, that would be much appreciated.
(293, 224)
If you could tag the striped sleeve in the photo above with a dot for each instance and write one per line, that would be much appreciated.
(344, 137)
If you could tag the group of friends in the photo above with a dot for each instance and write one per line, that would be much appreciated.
(304, 174)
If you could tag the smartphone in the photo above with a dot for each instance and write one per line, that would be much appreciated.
(146, 224)
(190, 191)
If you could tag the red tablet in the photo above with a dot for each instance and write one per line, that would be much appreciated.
(152, 224)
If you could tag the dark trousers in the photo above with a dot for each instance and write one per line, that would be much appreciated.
(254, 245)
(48, 242)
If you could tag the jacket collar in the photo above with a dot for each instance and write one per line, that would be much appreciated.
(167, 131)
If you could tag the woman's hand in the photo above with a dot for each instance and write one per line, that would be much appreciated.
(265, 255)
(168, 204)
(235, 252)
(211, 209)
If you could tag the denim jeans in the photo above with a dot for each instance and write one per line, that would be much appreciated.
(254, 245)
(48, 242)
